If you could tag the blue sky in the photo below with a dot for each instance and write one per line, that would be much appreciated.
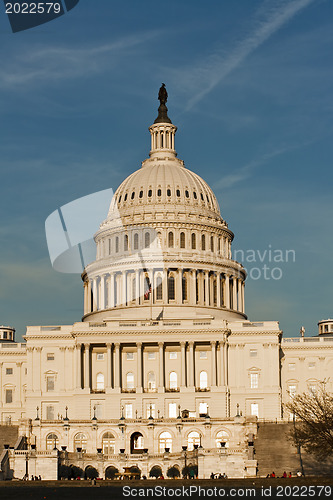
(250, 89)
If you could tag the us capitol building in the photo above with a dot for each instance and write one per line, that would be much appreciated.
(165, 369)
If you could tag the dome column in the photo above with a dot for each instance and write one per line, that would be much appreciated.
(218, 289)
(234, 293)
(95, 298)
(243, 297)
(227, 291)
(193, 287)
(137, 287)
(206, 285)
(111, 291)
(165, 286)
(88, 296)
(102, 293)
(179, 287)
(123, 288)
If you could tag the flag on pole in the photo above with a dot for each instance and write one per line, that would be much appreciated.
(148, 288)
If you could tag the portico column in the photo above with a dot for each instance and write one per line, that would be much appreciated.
(111, 291)
(183, 364)
(78, 366)
(179, 287)
(218, 289)
(102, 288)
(161, 365)
(191, 364)
(139, 366)
(86, 366)
(137, 287)
(227, 291)
(116, 366)
(213, 360)
(234, 293)
(109, 361)
(95, 298)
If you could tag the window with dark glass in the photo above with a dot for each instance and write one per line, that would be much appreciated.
(136, 241)
(194, 195)
(182, 240)
(150, 193)
(187, 194)
(141, 194)
(170, 240)
(171, 288)
(178, 193)
(132, 195)
(203, 242)
(169, 192)
(159, 192)
(193, 238)
(125, 198)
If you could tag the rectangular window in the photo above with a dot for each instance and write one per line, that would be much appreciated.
(203, 408)
(255, 409)
(150, 410)
(130, 355)
(292, 390)
(254, 380)
(128, 410)
(203, 355)
(50, 356)
(50, 383)
(173, 355)
(172, 410)
(9, 371)
(292, 367)
(50, 413)
(151, 355)
(253, 353)
(100, 356)
(9, 395)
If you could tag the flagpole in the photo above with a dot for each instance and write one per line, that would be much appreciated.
(151, 301)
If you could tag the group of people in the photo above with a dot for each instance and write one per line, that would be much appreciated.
(285, 475)
(218, 476)
(32, 478)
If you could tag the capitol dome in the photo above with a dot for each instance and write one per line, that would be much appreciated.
(164, 248)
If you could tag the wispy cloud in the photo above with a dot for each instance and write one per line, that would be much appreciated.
(37, 65)
(207, 75)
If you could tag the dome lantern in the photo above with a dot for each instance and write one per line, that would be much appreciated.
(162, 131)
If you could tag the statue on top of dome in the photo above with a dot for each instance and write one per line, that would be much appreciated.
(162, 94)
(162, 110)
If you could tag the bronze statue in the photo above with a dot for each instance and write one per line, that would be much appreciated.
(162, 110)
(162, 94)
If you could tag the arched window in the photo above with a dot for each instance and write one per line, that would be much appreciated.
(193, 438)
(150, 193)
(159, 192)
(187, 194)
(222, 437)
(100, 382)
(136, 241)
(194, 195)
(130, 380)
(212, 243)
(178, 193)
(215, 291)
(159, 288)
(108, 443)
(147, 240)
(173, 380)
(171, 288)
(203, 380)
(170, 239)
(117, 244)
(151, 381)
(125, 197)
(80, 441)
(52, 441)
(168, 192)
(203, 242)
(165, 441)
(141, 194)
(126, 243)
(132, 195)
(182, 240)
(136, 442)
(194, 242)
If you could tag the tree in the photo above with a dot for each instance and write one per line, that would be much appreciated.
(111, 472)
(91, 472)
(173, 472)
(313, 421)
(155, 471)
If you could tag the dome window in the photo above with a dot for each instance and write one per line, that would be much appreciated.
(178, 193)
(140, 194)
(125, 198)
(212, 243)
(193, 241)
(170, 240)
(147, 240)
(117, 244)
(187, 194)
(202, 197)
(194, 195)
(182, 240)
(136, 241)
(119, 200)
(168, 192)
(126, 243)
(207, 198)
(132, 195)
(150, 193)
(159, 192)
(203, 242)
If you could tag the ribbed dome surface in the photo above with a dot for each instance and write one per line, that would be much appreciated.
(162, 183)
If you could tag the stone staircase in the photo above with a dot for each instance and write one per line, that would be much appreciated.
(275, 451)
(8, 435)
